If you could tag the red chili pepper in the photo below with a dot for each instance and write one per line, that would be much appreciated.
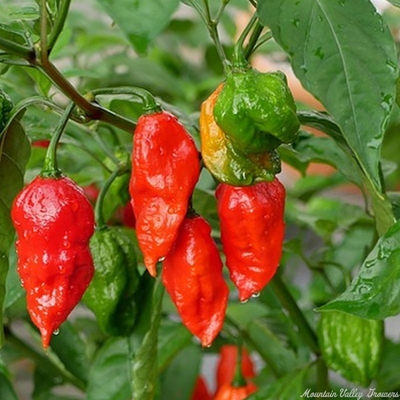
(252, 233)
(165, 169)
(230, 392)
(227, 364)
(128, 217)
(200, 391)
(41, 143)
(192, 275)
(91, 192)
(54, 222)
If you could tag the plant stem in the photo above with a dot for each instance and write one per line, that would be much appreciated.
(92, 111)
(220, 12)
(263, 39)
(50, 167)
(296, 314)
(212, 26)
(253, 40)
(43, 32)
(150, 105)
(59, 24)
(43, 361)
(239, 59)
(239, 380)
(271, 361)
(98, 210)
(322, 376)
(17, 49)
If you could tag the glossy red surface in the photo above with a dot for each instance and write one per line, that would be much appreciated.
(252, 233)
(165, 169)
(192, 275)
(54, 222)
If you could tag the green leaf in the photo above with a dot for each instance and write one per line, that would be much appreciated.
(173, 337)
(9, 33)
(388, 376)
(110, 376)
(14, 154)
(178, 380)
(127, 366)
(327, 151)
(356, 84)
(43, 83)
(279, 358)
(287, 388)
(7, 391)
(144, 371)
(326, 215)
(351, 346)
(140, 20)
(375, 292)
(71, 350)
(395, 2)
(310, 185)
(14, 289)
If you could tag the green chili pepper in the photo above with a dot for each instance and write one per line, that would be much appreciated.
(256, 110)
(351, 346)
(111, 293)
(227, 163)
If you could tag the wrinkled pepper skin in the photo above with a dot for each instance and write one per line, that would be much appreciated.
(165, 170)
(256, 110)
(54, 222)
(226, 365)
(230, 392)
(192, 275)
(226, 162)
(252, 233)
(201, 391)
(111, 293)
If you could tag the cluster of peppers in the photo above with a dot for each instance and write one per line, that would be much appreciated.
(60, 253)
(241, 125)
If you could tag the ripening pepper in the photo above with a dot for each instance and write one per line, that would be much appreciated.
(111, 293)
(54, 222)
(252, 232)
(231, 392)
(226, 365)
(192, 275)
(226, 162)
(200, 391)
(41, 143)
(256, 110)
(165, 169)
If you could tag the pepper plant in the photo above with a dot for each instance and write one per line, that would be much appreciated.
(195, 240)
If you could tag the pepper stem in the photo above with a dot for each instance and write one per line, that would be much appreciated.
(98, 209)
(50, 167)
(150, 106)
(238, 58)
(239, 380)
